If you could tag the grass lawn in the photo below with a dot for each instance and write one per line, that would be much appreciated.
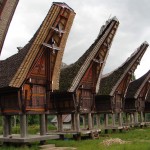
(135, 139)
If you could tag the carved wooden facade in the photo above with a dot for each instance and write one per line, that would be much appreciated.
(137, 93)
(113, 86)
(7, 9)
(28, 77)
(78, 81)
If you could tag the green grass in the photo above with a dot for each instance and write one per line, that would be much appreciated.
(137, 139)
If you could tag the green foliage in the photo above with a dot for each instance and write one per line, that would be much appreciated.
(137, 139)
(33, 119)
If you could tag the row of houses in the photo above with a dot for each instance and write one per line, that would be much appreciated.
(33, 82)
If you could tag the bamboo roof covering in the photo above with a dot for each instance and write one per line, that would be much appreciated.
(71, 75)
(110, 82)
(137, 85)
(14, 69)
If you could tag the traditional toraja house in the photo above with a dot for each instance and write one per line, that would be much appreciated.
(7, 9)
(78, 81)
(113, 86)
(136, 96)
(28, 77)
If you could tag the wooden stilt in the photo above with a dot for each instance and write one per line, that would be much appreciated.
(84, 121)
(73, 121)
(42, 125)
(136, 117)
(120, 119)
(6, 125)
(142, 116)
(89, 121)
(23, 126)
(113, 119)
(77, 118)
(98, 120)
(106, 119)
(132, 119)
(93, 117)
(46, 123)
(60, 122)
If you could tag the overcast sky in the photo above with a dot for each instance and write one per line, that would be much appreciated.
(134, 28)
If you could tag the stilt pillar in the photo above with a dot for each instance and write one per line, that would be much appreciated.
(142, 117)
(106, 119)
(120, 119)
(136, 117)
(93, 117)
(23, 125)
(98, 120)
(73, 121)
(89, 121)
(113, 119)
(84, 121)
(77, 118)
(132, 119)
(59, 122)
(42, 124)
(6, 125)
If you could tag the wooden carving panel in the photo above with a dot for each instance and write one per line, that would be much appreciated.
(34, 96)
(39, 68)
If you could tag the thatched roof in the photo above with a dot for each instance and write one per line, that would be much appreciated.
(136, 86)
(9, 67)
(71, 75)
(111, 80)
(14, 69)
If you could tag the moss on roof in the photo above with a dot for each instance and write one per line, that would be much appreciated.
(135, 85)
(68, 73)
(109, 81)
(9, 66)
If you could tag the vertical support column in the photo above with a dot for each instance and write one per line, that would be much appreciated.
(77, 119)
(84, 121)
(127, 119)
(132, 119)
(98, 120)
(120, 119)
(93, 117)
(23, 126)
(42, 124)
(46, 123)
(59, 122)
(136, 117)
(106, 119)
(142, 117)
(89, 121)
(6, 125)
(113, 119)
(72, 121)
